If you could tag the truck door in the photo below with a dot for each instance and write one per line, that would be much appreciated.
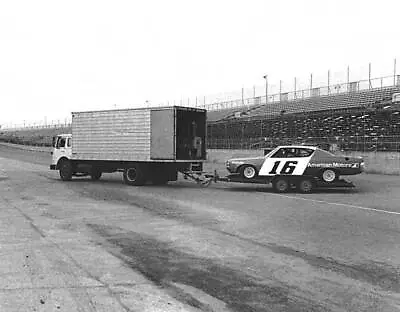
(163, 134)
(62, 147)
(59, 149)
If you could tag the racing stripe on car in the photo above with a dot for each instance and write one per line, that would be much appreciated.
(287, 166)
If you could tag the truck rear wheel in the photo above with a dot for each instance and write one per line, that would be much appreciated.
(134, 175)
(65, 170)
(95, 175)
(160, 180)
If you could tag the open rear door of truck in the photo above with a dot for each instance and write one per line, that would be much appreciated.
(163, 134)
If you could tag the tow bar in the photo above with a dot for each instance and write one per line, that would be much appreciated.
(203, 178)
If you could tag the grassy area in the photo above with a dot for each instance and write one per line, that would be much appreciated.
(32, 137)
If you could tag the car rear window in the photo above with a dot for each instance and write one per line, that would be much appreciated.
(304, 152)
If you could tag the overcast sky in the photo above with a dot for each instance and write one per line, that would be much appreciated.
(63, 56)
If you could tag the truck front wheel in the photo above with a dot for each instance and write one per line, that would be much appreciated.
(65, 170)
(134, 176)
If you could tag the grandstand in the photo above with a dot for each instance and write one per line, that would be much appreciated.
(359, 120)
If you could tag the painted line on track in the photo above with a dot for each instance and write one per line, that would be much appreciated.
(340, 204)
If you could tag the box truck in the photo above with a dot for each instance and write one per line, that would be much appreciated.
(146, 144)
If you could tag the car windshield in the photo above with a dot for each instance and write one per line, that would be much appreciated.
(271, 152)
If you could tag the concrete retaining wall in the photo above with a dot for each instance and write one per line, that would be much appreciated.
(380, 162)
(375, 162)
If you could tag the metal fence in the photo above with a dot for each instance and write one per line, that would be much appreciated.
(340, 88)
(36, 126)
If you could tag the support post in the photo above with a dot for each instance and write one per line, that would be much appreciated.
(329, 81)
(266, 88)
(369, 76)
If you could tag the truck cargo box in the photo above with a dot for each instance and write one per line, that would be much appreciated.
(170, 134)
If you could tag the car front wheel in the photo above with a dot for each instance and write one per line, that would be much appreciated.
(248, 172)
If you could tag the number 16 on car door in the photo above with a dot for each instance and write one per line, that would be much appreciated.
(284, 166)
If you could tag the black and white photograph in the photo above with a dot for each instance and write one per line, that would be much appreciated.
(200, 156)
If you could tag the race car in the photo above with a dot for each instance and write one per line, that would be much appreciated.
(301, 166)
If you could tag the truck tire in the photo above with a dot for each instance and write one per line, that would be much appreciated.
(305, 185)
(134, 175)
(65, 170)
(160, 180)
(281, 185)
(95, 175)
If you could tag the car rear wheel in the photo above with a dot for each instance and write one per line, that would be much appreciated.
(281, 185)
(305, 186)
(329, 175)
(248, 172)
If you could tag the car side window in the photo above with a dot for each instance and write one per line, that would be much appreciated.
(304, 152)
(61, 142)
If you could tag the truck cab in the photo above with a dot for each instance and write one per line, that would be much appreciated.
(62, 148)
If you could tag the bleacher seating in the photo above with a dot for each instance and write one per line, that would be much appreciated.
(366, 118)
(357, 124)
(349, 100)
